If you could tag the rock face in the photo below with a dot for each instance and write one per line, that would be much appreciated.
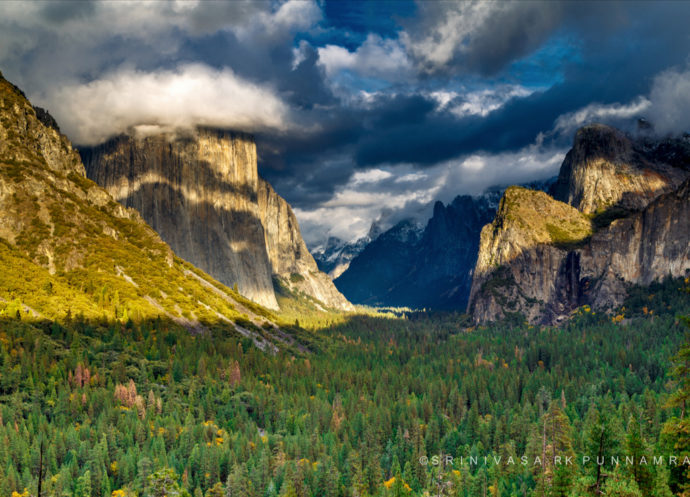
(606, 169)
(414, 267)
(288, 254)
(543, 258)
(373, 276)
(202, 193)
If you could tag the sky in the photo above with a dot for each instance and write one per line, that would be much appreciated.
(366, 110)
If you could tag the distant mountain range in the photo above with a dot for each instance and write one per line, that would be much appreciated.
(415, 265)
(182, 227)
(334, 256)
(616, 215)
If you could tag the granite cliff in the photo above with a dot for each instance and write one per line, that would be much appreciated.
(606, 169)
(624, 220)
(203, 195)
(288, 255)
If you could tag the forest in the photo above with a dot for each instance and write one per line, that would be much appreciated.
(369, 404)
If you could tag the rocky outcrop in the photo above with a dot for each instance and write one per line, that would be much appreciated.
(522, 263)
(545, 281)
(288, 254)
(202, 193)
(606, 169)
(199, 193)
(542, 258)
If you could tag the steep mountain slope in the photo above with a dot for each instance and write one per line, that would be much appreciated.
(629, 223)
(67, 248)
(203, 195)
(368, 280)
(414, 267)
(288, 254)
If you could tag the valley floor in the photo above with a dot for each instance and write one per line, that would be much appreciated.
(366, 405)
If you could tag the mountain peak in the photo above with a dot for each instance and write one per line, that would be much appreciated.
(600, 140)
(606, 169)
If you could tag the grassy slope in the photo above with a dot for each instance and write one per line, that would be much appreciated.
(542, 219)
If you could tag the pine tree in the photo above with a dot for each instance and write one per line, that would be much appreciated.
(636, 447)
(551, 442)
(602, 439)
(618, 485)
(83, 487)
(238, 483)
(215, 491)
(143, 471)
(163, 483)
(398, 487)
(327, 479)
(676, 431)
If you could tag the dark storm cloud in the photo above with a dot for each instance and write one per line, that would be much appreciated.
(58, 12)
(485, 37)
(302, 85)
(335, 89)
(613, 66)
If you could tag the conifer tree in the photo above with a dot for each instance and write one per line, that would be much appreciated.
(602, 432)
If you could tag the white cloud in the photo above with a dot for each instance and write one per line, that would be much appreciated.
(479, 35)
(376, 58)
(568, 123)
(670, 102)
(478, 102)
(296, 15)
(402, 191)
(667, 107)
(475, 173)
(410, 178)
(450, 34)
(370, 176)
(191, 95)
(148, 20)
(485, 101)
(44, 44)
